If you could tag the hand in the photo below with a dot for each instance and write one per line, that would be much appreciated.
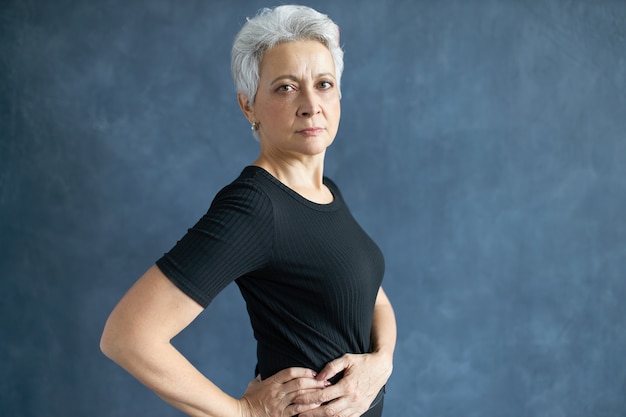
(274, 396)
(364, 376)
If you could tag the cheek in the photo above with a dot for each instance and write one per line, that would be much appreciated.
(336, 111)
(276, 111)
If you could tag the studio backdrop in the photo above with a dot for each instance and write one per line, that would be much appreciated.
(482, 145)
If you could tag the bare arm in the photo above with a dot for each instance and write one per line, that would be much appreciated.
(138, 334)
(384, 331)
(364, 375)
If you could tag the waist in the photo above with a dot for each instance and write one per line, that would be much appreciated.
(379, 396)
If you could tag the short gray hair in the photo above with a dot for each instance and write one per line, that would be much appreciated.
(271, 27)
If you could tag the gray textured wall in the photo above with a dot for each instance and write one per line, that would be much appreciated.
(482, 144)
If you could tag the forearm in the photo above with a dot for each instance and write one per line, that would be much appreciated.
(172, 377)
(384, 333)
(137, 336)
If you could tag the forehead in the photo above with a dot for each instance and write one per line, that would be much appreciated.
(297, 57)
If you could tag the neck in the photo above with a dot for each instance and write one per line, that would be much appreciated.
(295, 173)
(304, 176)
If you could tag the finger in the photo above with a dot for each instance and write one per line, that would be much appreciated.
(301, 386)
(316, 412)
(325, 395)
(332, 368)
(304, 388)
(345, 407)
(290, 374)
(335, 408)
(299, 409)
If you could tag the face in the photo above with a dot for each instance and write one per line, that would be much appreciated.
(297, 101)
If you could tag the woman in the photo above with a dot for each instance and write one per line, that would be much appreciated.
(309, 274)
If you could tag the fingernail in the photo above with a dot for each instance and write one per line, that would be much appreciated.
(327, 383)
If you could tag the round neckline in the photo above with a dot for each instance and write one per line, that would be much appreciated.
(333, 205)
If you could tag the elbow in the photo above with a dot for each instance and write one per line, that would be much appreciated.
(123, 343)
(108, 343)
(113, 343)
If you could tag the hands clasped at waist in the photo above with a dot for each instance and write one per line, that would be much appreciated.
(303, 392)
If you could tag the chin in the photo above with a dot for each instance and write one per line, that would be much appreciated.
(317, 147)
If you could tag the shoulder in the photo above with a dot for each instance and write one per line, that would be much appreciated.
(247, 188)
(242, 201)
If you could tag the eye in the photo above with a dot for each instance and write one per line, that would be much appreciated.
(285, 88)
(325, 85)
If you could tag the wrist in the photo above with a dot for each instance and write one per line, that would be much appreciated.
(244, 407)
(385, 358)
(383, 353)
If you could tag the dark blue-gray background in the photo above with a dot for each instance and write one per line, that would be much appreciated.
(482, 145)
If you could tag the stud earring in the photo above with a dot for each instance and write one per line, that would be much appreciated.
(254, 127)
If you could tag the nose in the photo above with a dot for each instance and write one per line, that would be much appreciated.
(309, 104)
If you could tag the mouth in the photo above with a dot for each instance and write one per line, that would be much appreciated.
(311, 131)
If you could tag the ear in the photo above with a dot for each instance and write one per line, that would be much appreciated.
(246, 107)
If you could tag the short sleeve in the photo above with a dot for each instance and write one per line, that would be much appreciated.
(231, 240)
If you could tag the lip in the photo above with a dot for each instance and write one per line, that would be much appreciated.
(311, 131)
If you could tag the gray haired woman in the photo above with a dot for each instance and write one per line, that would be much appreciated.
(310, 276)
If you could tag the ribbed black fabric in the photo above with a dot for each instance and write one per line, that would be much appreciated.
(308, 272)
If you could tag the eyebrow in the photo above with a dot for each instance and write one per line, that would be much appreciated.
(294, 78)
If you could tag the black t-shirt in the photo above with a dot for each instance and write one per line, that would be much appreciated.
(308, 272)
